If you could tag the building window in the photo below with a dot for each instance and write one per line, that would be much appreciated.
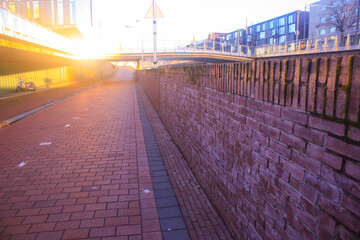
(323, 19)
(282, 39)
(334, 3)
(250, 30)
(333, 17)
(332, 30)
(53, 12)
(28, 8)
(72, 12)
(60, 12)
(271, 24)
(273, 32)
(271, 41)
(263, 27)
(291, 28)
(262, 35)
(290, 19)
(323, 8)
(282, 21)
(282, 30)
(12, 7)
(258, 28)
(228, 37)
(322, 31)
(36, 9)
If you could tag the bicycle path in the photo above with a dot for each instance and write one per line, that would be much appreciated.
(84, 169)
(13, 104)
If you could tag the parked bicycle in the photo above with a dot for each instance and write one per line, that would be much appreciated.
(22, 86)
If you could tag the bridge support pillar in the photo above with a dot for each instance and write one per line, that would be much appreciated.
(139, 64)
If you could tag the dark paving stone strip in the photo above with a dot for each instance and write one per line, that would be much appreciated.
(171, 220)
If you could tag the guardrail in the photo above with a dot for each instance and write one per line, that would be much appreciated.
(328, 43)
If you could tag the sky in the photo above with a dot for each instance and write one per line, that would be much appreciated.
(122, 21)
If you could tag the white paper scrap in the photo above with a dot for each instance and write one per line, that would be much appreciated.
(67, 125)
(45, 143)
(147, 191)
(22, 164)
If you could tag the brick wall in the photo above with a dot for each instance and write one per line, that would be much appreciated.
(275, 142)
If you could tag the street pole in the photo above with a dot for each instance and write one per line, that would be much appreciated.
(357, 17)
(304, 36)
(92, 23)
(154, 32)
(297, 26)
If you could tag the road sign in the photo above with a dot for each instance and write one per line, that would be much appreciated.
(158, 13)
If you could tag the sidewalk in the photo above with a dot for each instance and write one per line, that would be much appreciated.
(12, 104)
(89, 167)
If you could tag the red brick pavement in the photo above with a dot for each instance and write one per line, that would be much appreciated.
(78, 170)
(89, 182)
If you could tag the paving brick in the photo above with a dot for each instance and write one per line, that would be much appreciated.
(89, 223)
(11, 221)
(42, 227)
(67, 225)
(116, 221)
(128, 230)
(102, 232)
(76, 233)
(152, 235)
(54, 235)
(58, 217)
(35, 219)
(18, 229)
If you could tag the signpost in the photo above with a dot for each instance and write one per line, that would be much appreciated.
(154, 12)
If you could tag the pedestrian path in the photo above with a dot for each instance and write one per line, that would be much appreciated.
(92, 167)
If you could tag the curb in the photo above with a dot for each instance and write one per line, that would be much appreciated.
(16, 118)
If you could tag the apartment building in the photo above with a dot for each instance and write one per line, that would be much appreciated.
(329, 17)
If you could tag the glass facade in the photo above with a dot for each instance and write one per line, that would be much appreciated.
(279, 30)
(282, 21)
(72, 12)
(60, 8)
(53, 22)
(282, 39)
(291, 28)
(36, 8)
(262, 35)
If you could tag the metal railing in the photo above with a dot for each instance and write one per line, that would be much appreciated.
(328, 43)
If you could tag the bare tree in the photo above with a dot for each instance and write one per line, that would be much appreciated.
(340, 14)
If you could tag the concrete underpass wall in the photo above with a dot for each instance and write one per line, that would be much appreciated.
(275, 143)
(43, 76)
